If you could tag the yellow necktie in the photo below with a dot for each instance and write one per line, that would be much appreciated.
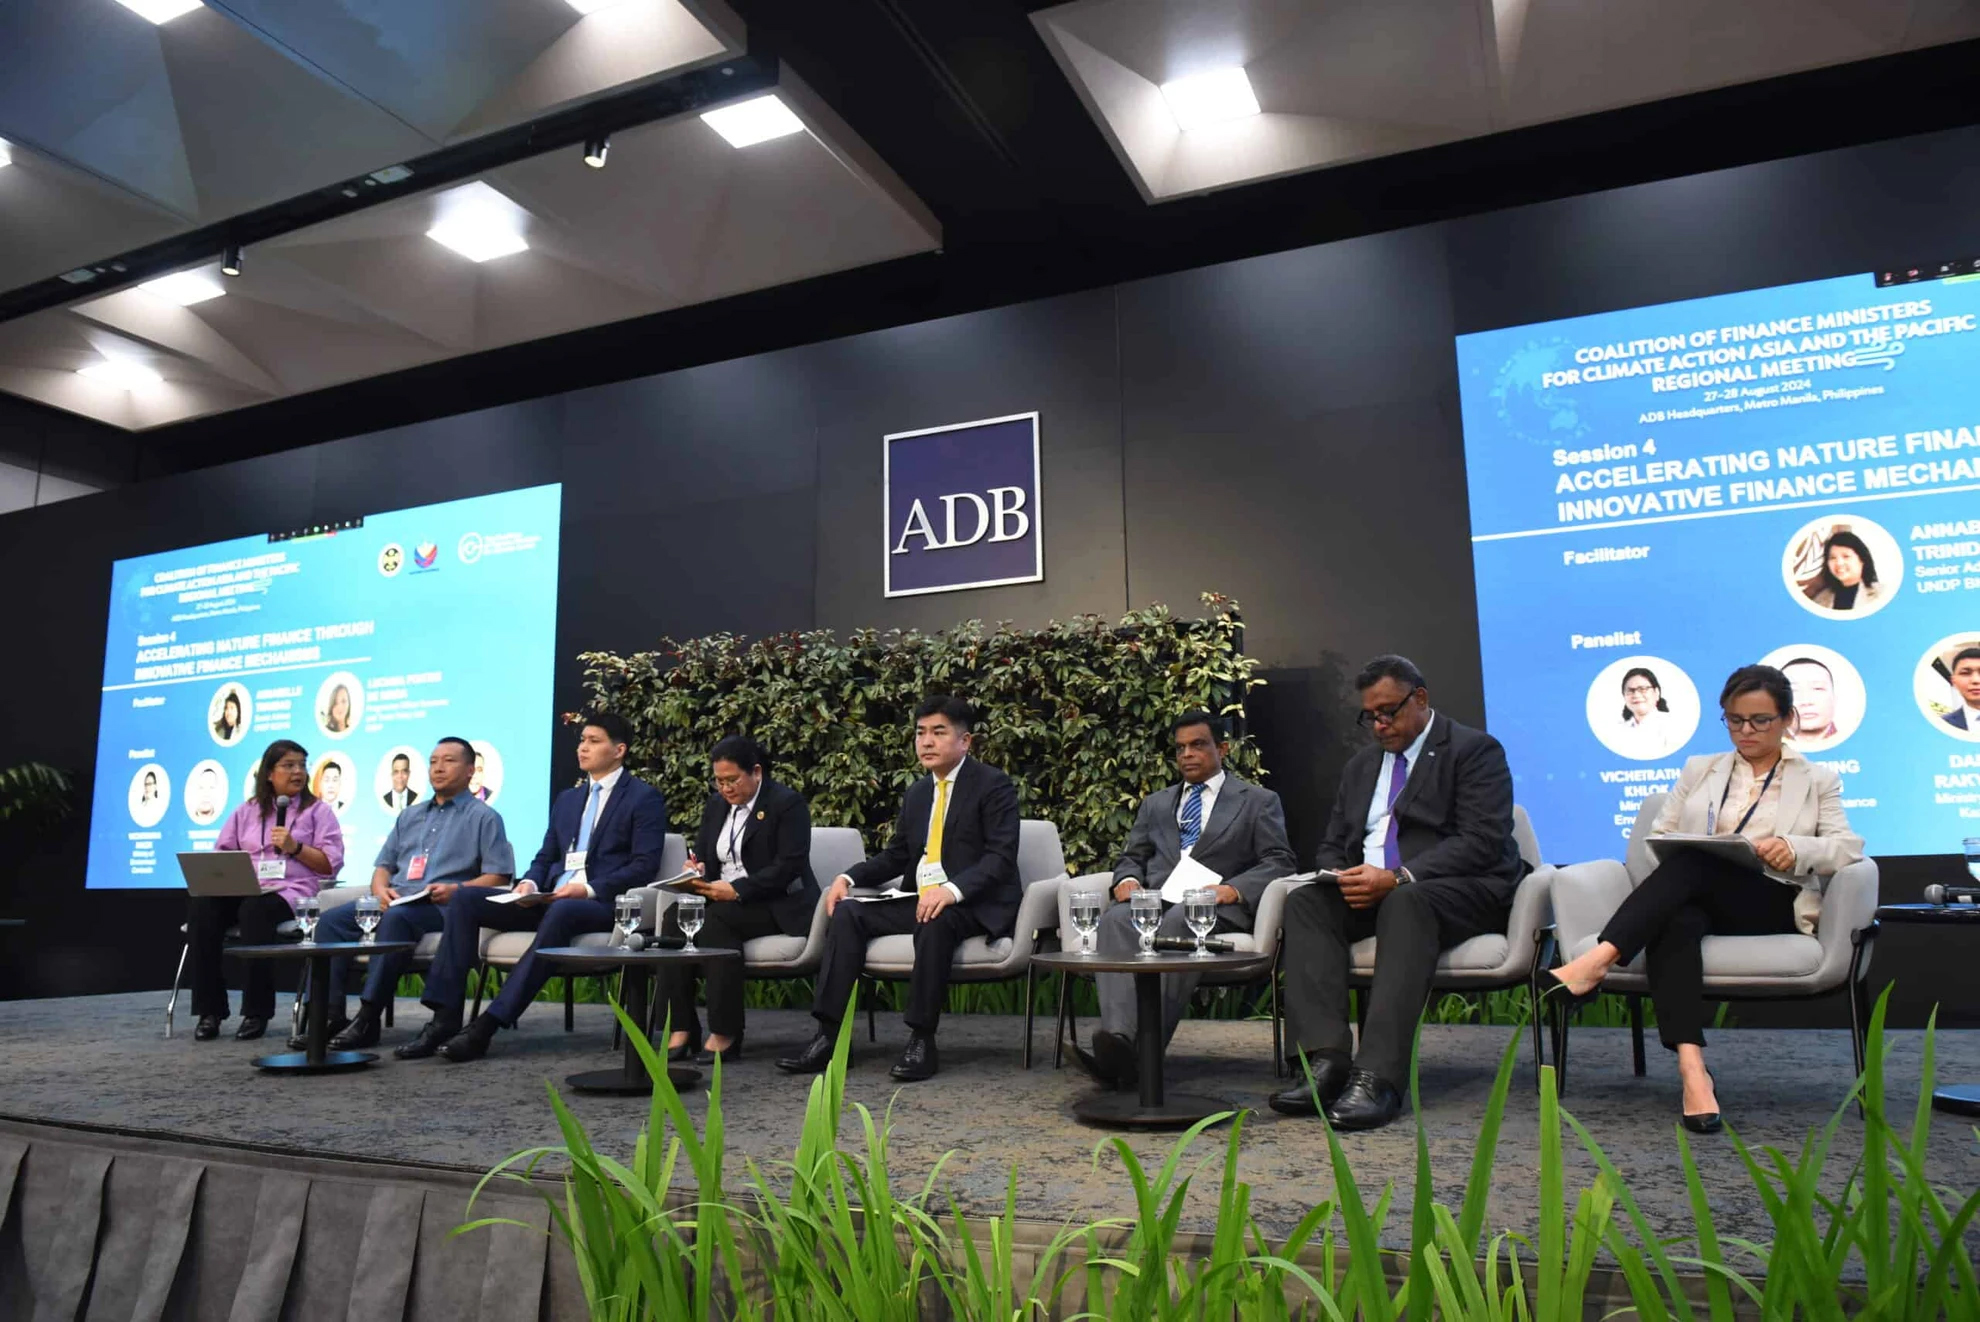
(933, 854)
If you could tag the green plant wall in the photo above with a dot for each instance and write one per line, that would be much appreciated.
(1077, 712)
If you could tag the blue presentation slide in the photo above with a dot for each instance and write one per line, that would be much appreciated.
(364, 645)
(1660, 495)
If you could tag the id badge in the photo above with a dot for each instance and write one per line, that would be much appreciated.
(574, 860)
(271, 869)
(416, 870)
(929, 874)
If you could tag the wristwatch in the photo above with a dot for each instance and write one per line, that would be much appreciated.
(1402, 877)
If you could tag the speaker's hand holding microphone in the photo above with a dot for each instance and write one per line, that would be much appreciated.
(279, 835)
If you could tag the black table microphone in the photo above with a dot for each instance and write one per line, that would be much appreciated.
(1211, 944)
(1944, 895)
(281, 809)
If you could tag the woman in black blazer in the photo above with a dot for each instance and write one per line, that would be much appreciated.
(754, 851)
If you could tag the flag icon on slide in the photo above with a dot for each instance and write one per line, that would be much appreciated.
(424, 555)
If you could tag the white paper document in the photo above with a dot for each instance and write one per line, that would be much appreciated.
(1736, 849)
(868, 895)
(519, 897)
(1189, 875)
(410, 897)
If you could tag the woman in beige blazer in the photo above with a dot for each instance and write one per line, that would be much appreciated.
(1789, 808)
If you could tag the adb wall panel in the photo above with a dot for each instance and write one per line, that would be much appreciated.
(1057, 356)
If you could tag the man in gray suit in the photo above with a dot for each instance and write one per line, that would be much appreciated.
(1234, 828)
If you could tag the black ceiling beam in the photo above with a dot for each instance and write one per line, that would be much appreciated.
(666, 98)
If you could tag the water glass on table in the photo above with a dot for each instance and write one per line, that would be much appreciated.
(308, 910)
(1200, 912)
(625, 917)
(689, 911)
(1084, 909)
(369, 912)
(1146, 910)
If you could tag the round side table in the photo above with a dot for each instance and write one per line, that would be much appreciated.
(317, 1058)
(1956, 1098)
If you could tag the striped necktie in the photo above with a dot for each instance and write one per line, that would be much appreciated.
(1192, 817)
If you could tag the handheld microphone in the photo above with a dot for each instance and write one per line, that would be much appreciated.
(281, 809)
(1944, 895)
(1186, 943)
(637, 941)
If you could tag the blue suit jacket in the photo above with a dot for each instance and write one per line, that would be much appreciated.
(626, 841)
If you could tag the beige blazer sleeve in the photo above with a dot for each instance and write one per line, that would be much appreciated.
(1673, 816)
(1823, 843)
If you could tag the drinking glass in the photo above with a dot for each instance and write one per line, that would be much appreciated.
(369, 912)
(308, 910)
(1147, 915)
(689, 911)
(1973, 857)
(1200, 912)
(625, 916)
(1085, 910)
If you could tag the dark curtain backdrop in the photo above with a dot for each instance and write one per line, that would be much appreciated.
(1284, 429)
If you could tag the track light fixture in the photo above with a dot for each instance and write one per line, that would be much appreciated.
(230, 263)
(595, 149)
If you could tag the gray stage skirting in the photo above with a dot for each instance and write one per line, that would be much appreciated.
(199, 1187)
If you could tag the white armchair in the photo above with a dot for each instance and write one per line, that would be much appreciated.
(1788, 966)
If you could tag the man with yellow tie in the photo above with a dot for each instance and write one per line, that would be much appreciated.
(948, 873)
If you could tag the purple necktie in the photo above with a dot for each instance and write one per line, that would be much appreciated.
(1391, 851)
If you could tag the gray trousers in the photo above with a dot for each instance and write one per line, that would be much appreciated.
(1117, 939)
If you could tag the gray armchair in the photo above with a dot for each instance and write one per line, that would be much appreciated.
(1041, 874)
(1789, 966)
(833, 850)
(328, 898)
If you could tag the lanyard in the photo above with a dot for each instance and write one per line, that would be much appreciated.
(738, 819)
(1753, 807)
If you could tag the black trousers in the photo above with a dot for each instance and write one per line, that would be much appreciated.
(1690, 896)
(853, 924)
(207, 919)
(1411, 926)
(726, 925)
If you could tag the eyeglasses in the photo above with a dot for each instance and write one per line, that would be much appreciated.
(1638, 690)
(1383, 715)
(290, 764)
(1757, 724)
(730, 782)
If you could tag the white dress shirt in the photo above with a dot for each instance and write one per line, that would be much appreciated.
(728, 845)
(1210, 788)
(1378, 806)
(605, 784)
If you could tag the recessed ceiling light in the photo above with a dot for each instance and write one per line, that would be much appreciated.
(749, 122)
(591, 6)
(121, 374)
(1210, 98)
(161, 11)
(184, 288)
(479, 236)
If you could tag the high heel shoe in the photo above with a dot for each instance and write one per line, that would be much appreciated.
(729, 1054)
(1705, 1122)
(686, 1051)
(1553, 989)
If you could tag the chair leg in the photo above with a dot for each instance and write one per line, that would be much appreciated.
(480, 978)
(1059, 1030)
(1636, 1035)
(1030, 991)
(570, 1002)
(1278, 1018)
(178, 979)
(1563, 1017)
(872, 1027)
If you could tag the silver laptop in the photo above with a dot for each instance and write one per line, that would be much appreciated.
(220, 872)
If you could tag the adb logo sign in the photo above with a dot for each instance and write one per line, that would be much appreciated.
(962, 507)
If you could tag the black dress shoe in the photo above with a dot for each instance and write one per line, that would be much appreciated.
(918, 1061)
(300, 1041)
(1330, 1076)
(361, 1032)
(1555, 992)
(207, 1028)
(431, 1038)
(1705, 1122)
(1368, 1102)
(729, 1054)
(252, 1027)
(1116, 1062)
(471, 1043)
(817, 1054)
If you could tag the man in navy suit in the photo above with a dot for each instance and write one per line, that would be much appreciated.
(952, 870)
(605, 836)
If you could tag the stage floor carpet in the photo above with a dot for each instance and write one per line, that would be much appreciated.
(104, 1061)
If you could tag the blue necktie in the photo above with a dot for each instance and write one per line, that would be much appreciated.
(1192, 817)
(585, 824)
(1391, 851)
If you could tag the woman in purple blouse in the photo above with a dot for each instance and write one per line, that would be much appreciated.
(293, 859)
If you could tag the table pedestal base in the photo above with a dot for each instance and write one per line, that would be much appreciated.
(299, 1062)
(1119, 1110)
(1959, 1099)
(618, 1083)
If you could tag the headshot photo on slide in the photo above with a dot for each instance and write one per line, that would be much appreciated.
(1643, 708)
(486, 783)
(150, 794)
(399, 780)
(333, 781)
(229, 714)
(340, 704)
(206, 792)
(1842, 567)
(1946, 685)
(1829, 695)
